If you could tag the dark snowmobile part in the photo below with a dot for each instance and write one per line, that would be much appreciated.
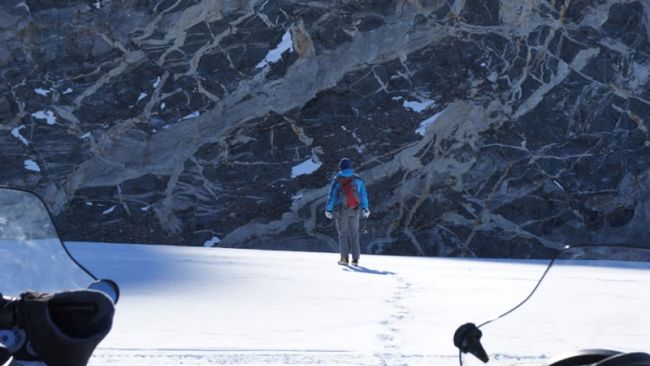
(54, 325)
(468, 340)
(626, 359)
(7, 317)
(5, 355)
(602, 357)
(63, 329)
(108, 287)
(583, 357)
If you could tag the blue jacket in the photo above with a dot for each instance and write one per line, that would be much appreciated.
(334, 199)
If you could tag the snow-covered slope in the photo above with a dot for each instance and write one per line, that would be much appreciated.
(204, 306)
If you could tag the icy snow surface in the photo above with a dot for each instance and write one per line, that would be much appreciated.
(274, 55)
(209, 306)
(306, 167)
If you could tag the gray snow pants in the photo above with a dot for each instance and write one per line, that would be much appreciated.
(347, 225)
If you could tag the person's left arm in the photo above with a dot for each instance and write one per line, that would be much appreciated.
(362, 192)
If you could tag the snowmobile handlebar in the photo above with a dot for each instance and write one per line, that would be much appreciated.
(63, 328)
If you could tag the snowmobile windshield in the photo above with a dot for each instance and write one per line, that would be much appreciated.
(590, 297)
(32, 256)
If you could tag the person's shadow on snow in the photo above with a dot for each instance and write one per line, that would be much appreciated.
(367, 270)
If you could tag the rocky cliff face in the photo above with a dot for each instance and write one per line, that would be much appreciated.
(481, 127)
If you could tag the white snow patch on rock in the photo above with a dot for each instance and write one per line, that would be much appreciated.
(68, 91)
(191, 115)
(163, 106)
(48, 116)
(422, 130)
(157, 82)
(274, 55)
(418, 106)
(15, 132)
(31, 165)
(111, 209)
(142, 96)
(212, 242)
(85, 135)
(306, 167)
(43, 92)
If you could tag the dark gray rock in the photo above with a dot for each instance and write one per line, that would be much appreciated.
(482, 128)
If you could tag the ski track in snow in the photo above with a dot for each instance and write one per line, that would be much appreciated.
(391, 325)
(390, 353)
(168, 357)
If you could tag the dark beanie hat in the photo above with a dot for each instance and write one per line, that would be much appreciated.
(345, 164)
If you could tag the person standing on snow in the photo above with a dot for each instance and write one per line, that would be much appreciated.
(347, 201)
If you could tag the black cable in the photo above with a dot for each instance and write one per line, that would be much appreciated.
(76, 262)
(539, 282)
(548, 268)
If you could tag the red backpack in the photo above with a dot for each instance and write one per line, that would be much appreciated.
(348, 191)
